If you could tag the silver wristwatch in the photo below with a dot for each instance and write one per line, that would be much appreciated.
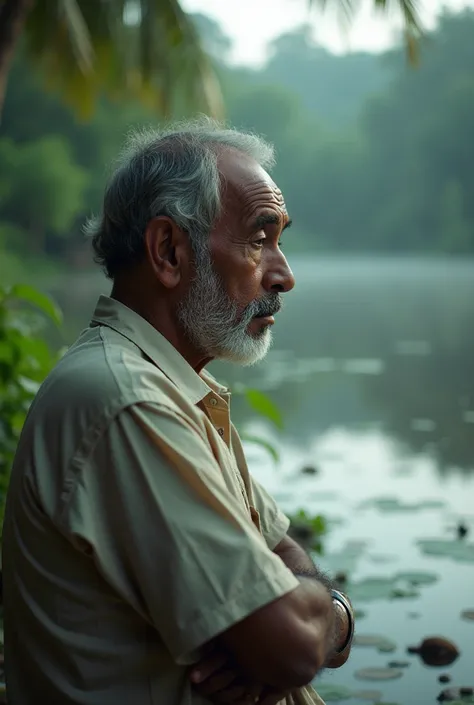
(339, 597)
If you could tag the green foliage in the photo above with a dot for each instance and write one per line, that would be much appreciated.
(308, 530)
(370, 156)
(263, 405)
(146, 49)
(42, 190)
(263, 443)
(265, 408)
(25, 360)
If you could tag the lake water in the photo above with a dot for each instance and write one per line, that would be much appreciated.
(373, 368)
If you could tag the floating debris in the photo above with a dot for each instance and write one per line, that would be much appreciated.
(444, 678)
(341, 579)
(462, 530)
(378, 674)
(436, 651)
(309, 470)
(468, 615)
(360, 614)
(399, 664)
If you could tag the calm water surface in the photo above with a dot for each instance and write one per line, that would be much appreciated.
(373, 368)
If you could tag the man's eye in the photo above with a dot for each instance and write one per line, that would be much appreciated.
(259, 243)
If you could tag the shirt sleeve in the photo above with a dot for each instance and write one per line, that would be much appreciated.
(273, 522)
(151, 507)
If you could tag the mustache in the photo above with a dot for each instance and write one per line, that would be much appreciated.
(268, 305)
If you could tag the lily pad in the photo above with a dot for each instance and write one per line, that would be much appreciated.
(418, 578)
(381, 558)
(459, 551)
(468, 615)
(333, 693)
(381, 643)
(400, 593)
(345, 560)
(367, 695)
(395, 505)
(378, 674)
(370, 589)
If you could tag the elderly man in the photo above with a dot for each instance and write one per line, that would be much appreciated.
(143, 565)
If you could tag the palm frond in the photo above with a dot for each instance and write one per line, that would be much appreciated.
(147, 49)
(79, 35)
(408, 9)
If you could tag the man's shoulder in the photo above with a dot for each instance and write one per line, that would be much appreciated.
(102, 372)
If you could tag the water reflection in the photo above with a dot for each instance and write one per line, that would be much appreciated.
(387, 344)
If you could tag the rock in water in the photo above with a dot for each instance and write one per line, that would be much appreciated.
(456, 694)
(436, 651)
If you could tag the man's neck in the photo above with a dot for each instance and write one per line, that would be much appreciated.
(162, 317)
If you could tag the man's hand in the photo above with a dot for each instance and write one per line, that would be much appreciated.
(215, 677)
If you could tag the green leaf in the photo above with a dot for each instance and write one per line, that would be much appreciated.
(29, 385)
(257, 440)
(43, 302)
(262, 403)
(318, 524)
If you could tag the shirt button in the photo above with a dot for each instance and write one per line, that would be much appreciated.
(220, 431)
(213, 401)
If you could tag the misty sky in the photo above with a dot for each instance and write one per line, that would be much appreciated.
(251, 24)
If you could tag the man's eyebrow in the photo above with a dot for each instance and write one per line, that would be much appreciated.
(269, 219)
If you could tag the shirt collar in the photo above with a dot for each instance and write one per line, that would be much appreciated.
(114, 314)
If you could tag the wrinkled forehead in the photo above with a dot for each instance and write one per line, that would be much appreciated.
(247, 187)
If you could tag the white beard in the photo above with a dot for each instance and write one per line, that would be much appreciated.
(212, 321)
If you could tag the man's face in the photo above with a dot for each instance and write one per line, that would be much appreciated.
(229, 308)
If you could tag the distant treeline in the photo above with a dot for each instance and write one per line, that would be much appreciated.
(372, 155)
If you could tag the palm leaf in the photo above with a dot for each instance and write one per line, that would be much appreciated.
(146, 49)
(78, 34)
(408, 9)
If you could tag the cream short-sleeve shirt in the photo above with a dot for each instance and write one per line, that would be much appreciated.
(134, 533)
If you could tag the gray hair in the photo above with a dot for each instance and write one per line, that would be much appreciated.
(171, 172)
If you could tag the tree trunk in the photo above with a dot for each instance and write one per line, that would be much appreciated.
(13, 14)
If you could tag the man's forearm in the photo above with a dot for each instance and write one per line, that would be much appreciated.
(297, 560)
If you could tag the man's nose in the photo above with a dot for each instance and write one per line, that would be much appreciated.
(279, 277)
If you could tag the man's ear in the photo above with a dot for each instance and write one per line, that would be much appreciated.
(167, 250)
